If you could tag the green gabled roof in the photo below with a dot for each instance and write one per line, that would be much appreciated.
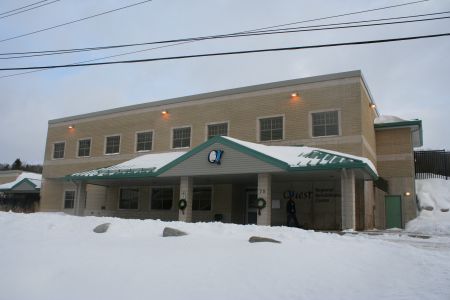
(287, 158)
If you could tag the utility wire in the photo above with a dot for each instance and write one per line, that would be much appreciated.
(262, 28)
(74, 21)
(31, 8)
(253, 33)
(16, 9)
(229, 53)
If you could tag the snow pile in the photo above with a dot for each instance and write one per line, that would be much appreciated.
(35, 178)
(56, 256)
(434, 200)
(387, 119)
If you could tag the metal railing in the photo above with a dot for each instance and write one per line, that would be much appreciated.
(432, 164)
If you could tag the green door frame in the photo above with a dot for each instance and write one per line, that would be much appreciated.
(393, 211)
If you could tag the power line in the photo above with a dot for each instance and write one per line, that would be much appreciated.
(19, 8)
(253, 33)
(74, 21)
(267, 27)
(229, 53)
(31, 8)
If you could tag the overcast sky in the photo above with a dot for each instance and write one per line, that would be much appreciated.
(409, 79)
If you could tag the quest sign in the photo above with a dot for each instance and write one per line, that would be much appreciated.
(215, 156)
(318, 194)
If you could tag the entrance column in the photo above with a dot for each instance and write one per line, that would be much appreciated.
(186, 193)
(80, 200)
(348, 199)
(264, 216)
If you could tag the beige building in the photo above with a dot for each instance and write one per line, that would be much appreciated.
(238, 156)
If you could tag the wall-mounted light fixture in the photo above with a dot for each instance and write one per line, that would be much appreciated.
(372, 105)
(407, 194)
(71, 126)
(164, 112)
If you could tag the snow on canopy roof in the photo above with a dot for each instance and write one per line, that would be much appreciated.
(144, 164)
(32, 177)
(388, 119)
(303, 156)
(291, 157)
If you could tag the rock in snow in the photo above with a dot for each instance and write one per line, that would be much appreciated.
(259, 239)
(172, 232)
(102, 228)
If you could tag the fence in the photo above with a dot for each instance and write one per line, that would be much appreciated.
(432, 164)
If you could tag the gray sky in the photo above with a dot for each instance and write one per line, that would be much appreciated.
(408, 79)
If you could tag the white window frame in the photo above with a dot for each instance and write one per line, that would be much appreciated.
(53, 149)
(181, 127)
(64, 199)
(136, 140)
(105, 143)
(320, 111)
(138, 203)
(78, 147)
(216, 123)
(174, 205)
(212, 197)
(258, 127)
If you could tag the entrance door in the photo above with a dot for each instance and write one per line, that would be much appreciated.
(393, 205)
(251, 208)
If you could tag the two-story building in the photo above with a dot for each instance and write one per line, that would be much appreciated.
(238, 156)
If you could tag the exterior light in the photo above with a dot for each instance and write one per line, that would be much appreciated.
(372, 105)
(71, 126)
(294, 95)
(407, 194)
(164, 112)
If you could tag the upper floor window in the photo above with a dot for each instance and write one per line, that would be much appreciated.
(162, 198)
(181, 137)
(58, 150)
(217, 129)
(202, 198)
(129, 198)
(325, 123)
(84, 148)
(112, 144)
(144, 141)
(271, 129)
(69, 199)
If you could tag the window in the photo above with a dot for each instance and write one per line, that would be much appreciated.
(69, 199)
(58, 150)
(217, 129)
(325, 123)
(129, 198)
(144, 141)
(271, 129)
(181, 137)
(202, 198)
(162, 198)
(84, 148)
(112, 144)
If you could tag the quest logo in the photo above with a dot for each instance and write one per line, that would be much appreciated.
(215, 156)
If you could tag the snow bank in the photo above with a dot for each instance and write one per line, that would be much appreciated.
(55, 256)
(434, 200)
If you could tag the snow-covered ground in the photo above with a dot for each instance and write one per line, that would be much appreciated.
(434, 199)
(55, 256)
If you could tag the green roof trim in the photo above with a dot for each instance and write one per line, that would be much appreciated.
(334, 162)
(400, 124)
(19, 183)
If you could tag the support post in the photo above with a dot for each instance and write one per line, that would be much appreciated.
(186, 192)
(265, 192)
(80, 201)
(348, 199)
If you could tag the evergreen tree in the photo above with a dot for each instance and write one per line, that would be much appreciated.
(17, 165)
